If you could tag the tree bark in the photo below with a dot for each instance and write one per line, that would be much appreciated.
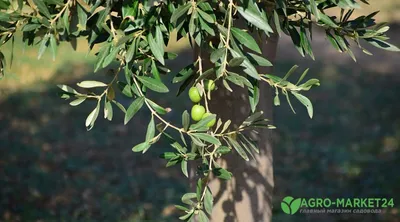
(247, 197)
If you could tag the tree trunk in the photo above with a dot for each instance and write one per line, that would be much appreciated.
(247, 197)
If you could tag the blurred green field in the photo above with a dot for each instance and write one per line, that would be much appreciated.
(52, 168)
(389, 10)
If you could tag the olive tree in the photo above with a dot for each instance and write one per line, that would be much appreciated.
(230, 81)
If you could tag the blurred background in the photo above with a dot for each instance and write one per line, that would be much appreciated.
(51, 167)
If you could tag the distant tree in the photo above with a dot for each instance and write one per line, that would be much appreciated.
(233, 39)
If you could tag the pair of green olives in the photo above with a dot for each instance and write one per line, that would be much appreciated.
(194, 93)
(198, 111)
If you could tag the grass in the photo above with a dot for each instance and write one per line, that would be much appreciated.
(389, 10)
(27, 71)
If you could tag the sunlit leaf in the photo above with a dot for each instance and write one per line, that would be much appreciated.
(151, 127)
(91, 119)
(91, 84)
(77, 101)
(153, 84)
(306, 102)
(255, 19)
(133, 109)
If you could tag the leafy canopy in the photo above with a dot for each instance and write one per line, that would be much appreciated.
(134, 34)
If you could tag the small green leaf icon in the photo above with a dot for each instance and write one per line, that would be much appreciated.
(290, 205)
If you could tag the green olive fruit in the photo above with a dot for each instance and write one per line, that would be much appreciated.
(210, 85)
(194, 95)
(212, 122)
(197, 112)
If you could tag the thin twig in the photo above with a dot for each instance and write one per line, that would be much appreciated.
(200, 61)
(225, 62)
(60, 13)
(154, 112)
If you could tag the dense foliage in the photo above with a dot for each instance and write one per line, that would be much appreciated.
(134, 34)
